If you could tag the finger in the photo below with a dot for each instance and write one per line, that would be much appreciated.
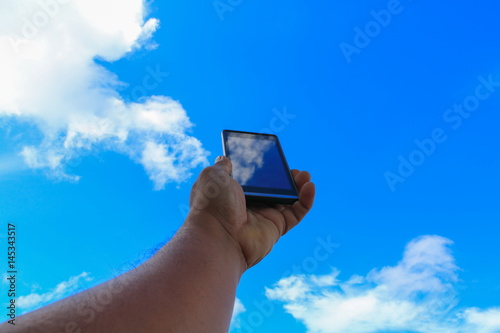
(306, 198)
(224, 163)
(302, 178)
(296, 212)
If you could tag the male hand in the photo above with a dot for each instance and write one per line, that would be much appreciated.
(256, 228)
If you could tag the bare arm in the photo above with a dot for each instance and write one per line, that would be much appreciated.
(190, 284)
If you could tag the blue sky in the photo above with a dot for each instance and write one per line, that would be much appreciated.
(106, 119)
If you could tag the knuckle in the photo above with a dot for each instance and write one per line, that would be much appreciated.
(205, 173)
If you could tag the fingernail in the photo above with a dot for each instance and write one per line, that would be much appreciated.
(219, 158)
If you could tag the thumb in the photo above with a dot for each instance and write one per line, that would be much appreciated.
(224, 163)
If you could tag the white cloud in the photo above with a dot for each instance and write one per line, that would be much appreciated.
(247, 156)
(50, 79)
(238, 309)
(418, 294)
(63, 289)
(483, 321)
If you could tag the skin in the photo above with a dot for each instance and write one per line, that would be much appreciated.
(190, 284)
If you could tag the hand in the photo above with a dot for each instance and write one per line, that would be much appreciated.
(256, 228)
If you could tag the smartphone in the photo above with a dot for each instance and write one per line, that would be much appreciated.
(260, 167)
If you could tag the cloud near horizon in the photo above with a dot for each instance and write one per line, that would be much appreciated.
(50, 79)
(34, 300)
(418, 295)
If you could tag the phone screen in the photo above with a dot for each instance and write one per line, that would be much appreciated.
(259, 165)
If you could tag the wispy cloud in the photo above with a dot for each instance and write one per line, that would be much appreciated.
(63, 289)
(10, 164)
(418, 294)
(50, 79)
(238, 309)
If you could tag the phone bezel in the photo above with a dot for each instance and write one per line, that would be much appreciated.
(265, 194)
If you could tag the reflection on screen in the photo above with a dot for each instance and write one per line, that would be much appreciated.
(257, 162)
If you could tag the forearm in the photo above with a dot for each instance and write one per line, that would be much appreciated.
(187, 286)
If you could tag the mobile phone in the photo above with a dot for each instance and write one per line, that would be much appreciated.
(260, 167)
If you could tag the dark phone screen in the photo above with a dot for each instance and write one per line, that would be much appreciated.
(257, 161)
